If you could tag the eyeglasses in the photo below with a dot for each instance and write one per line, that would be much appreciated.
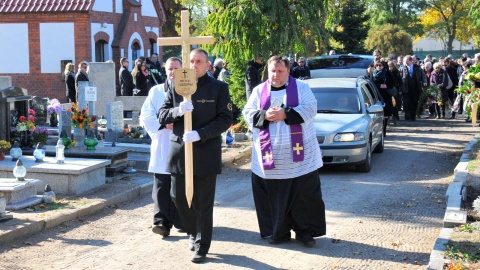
(379, 65)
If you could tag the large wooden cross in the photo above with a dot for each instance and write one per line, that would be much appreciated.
(186, 41)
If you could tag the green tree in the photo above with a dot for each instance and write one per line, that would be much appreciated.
(352, 28)
(441, 19)
(403, 13)
(245, 28)
(389, 39)
(171, 28)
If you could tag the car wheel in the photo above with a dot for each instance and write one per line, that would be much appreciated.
(380, 146)
(367, 163)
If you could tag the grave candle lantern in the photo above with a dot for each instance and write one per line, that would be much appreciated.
(15, 152)
(19, 171)
(60, 152)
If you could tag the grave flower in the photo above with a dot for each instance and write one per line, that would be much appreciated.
(40, 135)
(4, 146)
(80, 118)
(26, 123)
(54, 107)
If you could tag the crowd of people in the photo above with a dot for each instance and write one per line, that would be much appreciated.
(412, 79)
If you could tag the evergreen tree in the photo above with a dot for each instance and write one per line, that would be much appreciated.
(352, 29)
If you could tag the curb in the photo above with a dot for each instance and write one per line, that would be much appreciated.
(55, 220)
(454, 216)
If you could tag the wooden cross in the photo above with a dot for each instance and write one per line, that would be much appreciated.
(298, 148)
(186, 41)
(267, 157)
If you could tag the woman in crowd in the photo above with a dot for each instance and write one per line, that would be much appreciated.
(140, 78)
(439, 78)
(383, 79)
(397, 78)
(428, 68)
(70, 83)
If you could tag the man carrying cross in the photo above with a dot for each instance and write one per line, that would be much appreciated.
(286, 156)
(211, 110)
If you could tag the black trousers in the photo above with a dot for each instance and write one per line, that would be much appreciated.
(410, 104)
(164, 210)
(197, 220)
(283, 205)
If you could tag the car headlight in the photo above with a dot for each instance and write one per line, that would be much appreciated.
(349, 137)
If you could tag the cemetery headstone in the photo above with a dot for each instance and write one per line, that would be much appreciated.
(114, 121)
(65, 122)
(39, 105)
(103, 76)
(82, 95)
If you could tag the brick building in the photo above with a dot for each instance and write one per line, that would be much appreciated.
(37, 38)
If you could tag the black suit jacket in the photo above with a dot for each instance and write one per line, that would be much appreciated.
(126, 82)
(212, 115)
(412, 85)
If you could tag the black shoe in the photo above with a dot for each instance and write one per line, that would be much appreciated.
(161, 229)
(306, 239)
(278, 241)
(199, 257)
(191, 242)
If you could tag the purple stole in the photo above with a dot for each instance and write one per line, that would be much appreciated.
(296, 135)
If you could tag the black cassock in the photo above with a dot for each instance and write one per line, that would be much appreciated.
(294, 204)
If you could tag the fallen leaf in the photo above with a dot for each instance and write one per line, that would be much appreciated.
(357, 253)
(335, 241)
(396, 243)
(417, 262)
(405, 258)
(344, 189)
(30, 209)
(27, 243)
(360, 221)
(409, 205)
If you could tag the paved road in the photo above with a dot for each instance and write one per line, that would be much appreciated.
(386, 219)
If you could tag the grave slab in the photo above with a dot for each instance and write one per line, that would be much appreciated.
(454, 218)
(74, 177)
(18, 191)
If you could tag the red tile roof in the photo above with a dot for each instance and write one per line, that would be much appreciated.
(28, 6)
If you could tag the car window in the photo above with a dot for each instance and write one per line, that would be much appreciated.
(337, 100)
(340, 62)
(373, 92)
(366, 96)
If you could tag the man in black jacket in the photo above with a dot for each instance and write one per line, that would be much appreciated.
(411, 87)
(212, 115)
(125, 78)
(252, 75)
(82, 75)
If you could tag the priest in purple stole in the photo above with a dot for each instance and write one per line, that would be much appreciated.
(286, 156)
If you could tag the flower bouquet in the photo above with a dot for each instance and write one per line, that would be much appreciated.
(80, 118)
(40, 135)
(54, 109)
(26, 123)
(4, 146)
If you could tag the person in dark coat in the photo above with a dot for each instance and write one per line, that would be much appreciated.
(212, 115)
(439, 78)
(301, 71)
(70, 83)
(140, 78)
(82, 75)
(450, 67)
(125, 78)
(398, 85)
(252, 75)
(411, 87)
(383, 79)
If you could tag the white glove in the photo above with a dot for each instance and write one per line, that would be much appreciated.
(184, 107)
(191, 136)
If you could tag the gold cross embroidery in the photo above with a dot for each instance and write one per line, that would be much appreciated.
(298, 148)
(267, 157)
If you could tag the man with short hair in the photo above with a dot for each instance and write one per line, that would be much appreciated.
(301, 72)
(155, 70)
(212, 115)
(411, 87)
(252, 75)
(82, 75)
(125, 78)
(165, 214)
(285, 157)
(217, 67)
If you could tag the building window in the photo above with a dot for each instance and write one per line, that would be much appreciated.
(153, 46)
(101, 51)
(135, 51)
